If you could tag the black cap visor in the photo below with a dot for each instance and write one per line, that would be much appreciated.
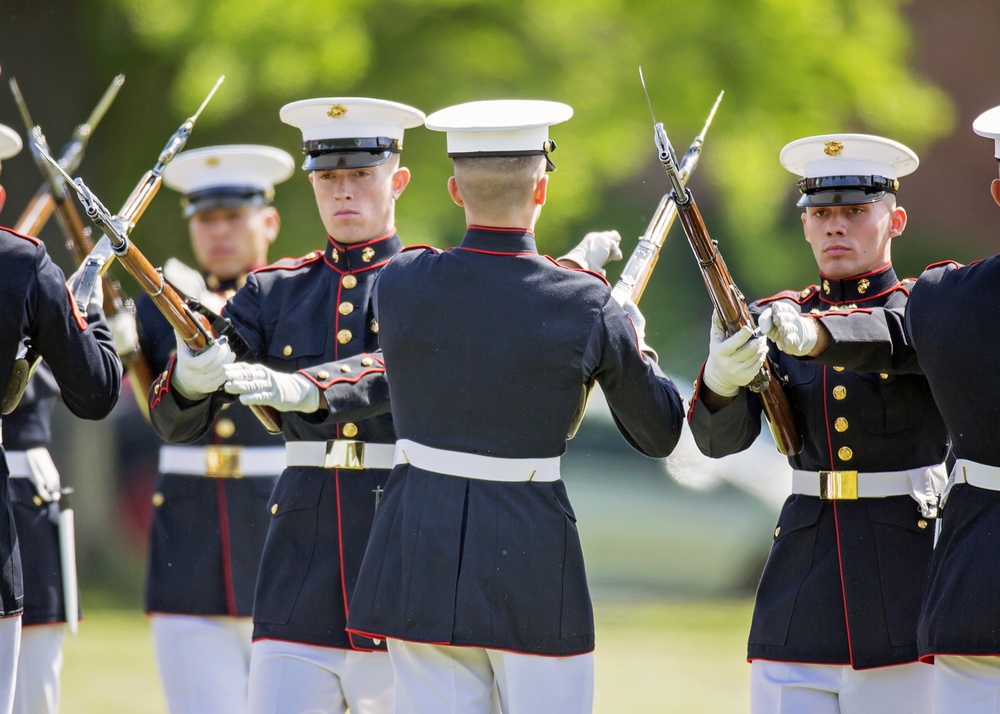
(844, 190)
(223, 197)
(325, 154)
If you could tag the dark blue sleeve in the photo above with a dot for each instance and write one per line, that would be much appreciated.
(645, 403)
(79, 349)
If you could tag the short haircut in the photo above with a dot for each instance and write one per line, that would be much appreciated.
(491, 185)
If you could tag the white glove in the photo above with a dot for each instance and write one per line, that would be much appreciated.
(197, 375)
(733, 361)
(788, 329)
(596, 250)
(639, 322)
(97, 296)
(256, 384)
(124, 332)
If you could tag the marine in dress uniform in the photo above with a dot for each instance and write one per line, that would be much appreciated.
(39, 309)
(35, 492)
(210, 501)
(949, 330)
(313, 340)
(474, 569)
(840, 594)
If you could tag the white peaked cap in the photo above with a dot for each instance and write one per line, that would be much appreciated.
(234, 165)
(848, 155)
(350, 118)
(10, 142)
(498, 127)
(347, 132)
(988, 124)
(847, 169)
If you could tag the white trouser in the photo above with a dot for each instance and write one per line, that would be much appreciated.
(10, 643)
(39, 665)
(204, 662)
(966, 685)
(795, 688)
(436, 679)
(296, 678)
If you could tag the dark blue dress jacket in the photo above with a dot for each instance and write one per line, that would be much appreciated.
(844, 579)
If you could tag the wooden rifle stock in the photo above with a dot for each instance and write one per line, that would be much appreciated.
(193, 328)
(733, 312)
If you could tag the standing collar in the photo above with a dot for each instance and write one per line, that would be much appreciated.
(857, 288)
(362, 256)
(227, 286)
(499, 240)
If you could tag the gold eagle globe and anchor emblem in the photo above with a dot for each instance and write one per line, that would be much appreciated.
(832, 148)
(336, 111)
(367, 254)
(863, 286)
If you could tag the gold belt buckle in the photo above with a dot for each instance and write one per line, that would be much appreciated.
(838, 485)
(344, 454)
(223, 461)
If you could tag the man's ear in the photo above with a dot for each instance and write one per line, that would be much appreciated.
(995, 190)
(400, 180)
(272, 224)
(541, 190)
(453, 191)
(897, 221)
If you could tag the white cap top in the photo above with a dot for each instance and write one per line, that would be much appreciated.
(499, 127)
(10, 142)
(847, 168)
(988, 124)
(357, 131)
(229, 175)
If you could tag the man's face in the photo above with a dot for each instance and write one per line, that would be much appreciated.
(228, 242)
(852, 239)
(358, 204)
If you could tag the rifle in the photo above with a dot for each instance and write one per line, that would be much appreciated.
(632, 282)
(726, 296)
(52, 194)
(184, 314)
(634, 277)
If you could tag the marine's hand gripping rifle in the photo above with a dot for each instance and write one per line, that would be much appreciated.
(726, 296)
(197, 331)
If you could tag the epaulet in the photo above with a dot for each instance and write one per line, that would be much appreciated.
(798, 296)
(22, 235)
(420, 246)
(576, 270)
(292, 263)
(906, 285)
(945, 263)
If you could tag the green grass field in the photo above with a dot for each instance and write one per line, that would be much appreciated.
(652, 657)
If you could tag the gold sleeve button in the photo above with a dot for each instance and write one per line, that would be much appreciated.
(322, 374)
(287, 351)
(345, 368)
(367, 362)
(274, 509)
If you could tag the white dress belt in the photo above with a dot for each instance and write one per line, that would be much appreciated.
(975, 474)
(339, 454)
(17, 464)
(36, 464)
(925, 485)
(222, 461)
(476, 466)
